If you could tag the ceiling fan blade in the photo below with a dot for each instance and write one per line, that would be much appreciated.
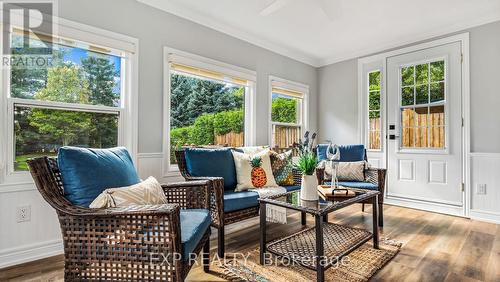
(273, 7)
(331, 8)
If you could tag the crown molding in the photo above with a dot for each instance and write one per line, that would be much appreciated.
(198, 18)
(401, 42)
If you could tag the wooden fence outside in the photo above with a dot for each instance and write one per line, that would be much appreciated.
(374, 134)
(418, 129)
(284, 136)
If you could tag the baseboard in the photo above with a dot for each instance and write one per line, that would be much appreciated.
(426, 206)
(27, 253)
(492, 217)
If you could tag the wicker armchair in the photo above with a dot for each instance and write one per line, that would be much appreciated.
(375, 176)
(219, 217)
(134, 243)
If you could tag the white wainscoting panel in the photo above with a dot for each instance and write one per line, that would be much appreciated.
(485, 169)
(27, 241)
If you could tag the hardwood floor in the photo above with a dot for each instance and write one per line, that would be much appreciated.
(436, 247)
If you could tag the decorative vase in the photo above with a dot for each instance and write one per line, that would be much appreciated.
(309, 188)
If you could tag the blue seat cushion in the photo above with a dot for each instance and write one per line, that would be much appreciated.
(348, 153)
(194, 223)
(359, 185)
(234, 201)
(86, 173)
(213, 163)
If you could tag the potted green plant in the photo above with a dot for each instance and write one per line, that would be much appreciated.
(306, 164)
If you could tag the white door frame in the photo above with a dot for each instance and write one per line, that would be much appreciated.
(463, 38)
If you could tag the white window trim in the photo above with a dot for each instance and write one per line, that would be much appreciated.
(291, 85)
(128, 121)
(366, 66)
(178, 56)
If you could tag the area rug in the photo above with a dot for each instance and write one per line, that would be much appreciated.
(361, 265)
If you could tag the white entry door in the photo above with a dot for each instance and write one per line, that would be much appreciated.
(424, 118)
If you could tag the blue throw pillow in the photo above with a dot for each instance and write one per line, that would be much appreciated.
(348, 153)
(87, 172)
(213, 163)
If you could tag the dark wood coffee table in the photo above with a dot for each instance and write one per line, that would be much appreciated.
(324, 245)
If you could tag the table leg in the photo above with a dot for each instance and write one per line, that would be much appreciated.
(262, 232)
(375, 221)
(303, 218)
(320, 270)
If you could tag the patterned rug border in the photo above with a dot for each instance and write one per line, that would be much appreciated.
(227, 271)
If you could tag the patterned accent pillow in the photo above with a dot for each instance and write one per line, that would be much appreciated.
(346, 171)
(147, 192)
(282, 165)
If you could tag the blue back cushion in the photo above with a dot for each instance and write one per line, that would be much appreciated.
(87, 172)
(348, 153)
(212, 162)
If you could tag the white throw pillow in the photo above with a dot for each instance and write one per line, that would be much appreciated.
(346, 171)
(147, 192)
(247, 176)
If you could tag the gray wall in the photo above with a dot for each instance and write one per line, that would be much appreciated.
(156, 29)
(338, 88)
(338, 102)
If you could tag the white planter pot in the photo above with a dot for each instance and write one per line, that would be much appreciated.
(309, 188)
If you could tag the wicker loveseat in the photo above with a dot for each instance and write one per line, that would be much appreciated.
(136, 243)
(227, 206)
(375, 177)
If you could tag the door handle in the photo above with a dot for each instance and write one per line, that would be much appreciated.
(393, 137)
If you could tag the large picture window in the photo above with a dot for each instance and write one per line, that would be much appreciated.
(77, 99)
(287, 113)
(208, 105)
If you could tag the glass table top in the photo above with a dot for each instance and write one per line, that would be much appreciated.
(292, 200)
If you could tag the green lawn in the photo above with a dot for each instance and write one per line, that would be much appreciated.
(20, 163)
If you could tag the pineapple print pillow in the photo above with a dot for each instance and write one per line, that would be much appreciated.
(253, 171)
(282, 165)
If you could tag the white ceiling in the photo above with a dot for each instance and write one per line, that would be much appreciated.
(321, 32)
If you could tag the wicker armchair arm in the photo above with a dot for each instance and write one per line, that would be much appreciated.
(297, 176)
(189, 194)
(147, 210)
(377, 176)
(216, 197)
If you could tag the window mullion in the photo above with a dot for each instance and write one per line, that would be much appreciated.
(64, 106)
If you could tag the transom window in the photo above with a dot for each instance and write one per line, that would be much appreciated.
(287, 113)
(76, 100)
(422, 105)
(374, 110)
